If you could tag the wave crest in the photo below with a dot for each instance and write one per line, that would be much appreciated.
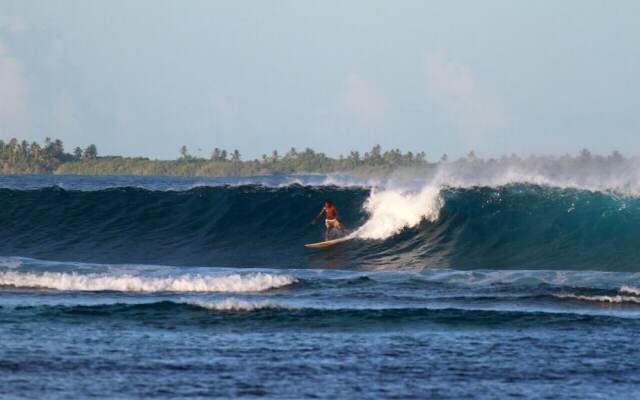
(232, 304)
(630, 290)
(393, 210)
(626, 294)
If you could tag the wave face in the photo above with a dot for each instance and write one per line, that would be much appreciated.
(517, 226)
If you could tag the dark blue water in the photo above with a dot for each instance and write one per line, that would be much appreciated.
(174, 287)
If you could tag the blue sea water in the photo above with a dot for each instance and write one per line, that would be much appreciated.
(156, 287)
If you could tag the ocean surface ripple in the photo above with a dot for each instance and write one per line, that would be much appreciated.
(127, 287)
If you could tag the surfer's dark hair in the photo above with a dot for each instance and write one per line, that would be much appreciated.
(329, 202)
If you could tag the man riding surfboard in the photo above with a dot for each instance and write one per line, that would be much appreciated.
(331, 221)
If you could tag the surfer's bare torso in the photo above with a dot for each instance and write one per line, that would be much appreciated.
(331, 212)
(331, 222)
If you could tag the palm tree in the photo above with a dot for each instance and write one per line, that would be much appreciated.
(35, 151)
(184, 153)
(216, 155)
(91, 152)
(77, 154)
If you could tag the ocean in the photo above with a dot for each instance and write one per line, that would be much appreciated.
(159, 287)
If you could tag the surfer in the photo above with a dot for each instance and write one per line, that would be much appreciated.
(331, 221)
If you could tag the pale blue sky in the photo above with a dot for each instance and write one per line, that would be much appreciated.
(144, 77)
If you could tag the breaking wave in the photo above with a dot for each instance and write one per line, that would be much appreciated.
(254, 282)
(416, 225)
(232, 305)
(391, 211)
(626, 294)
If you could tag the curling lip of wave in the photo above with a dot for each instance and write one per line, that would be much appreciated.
(390, 211)
(253, 282)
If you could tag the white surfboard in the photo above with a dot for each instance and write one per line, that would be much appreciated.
(328, 243)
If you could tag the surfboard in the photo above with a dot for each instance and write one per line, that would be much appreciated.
(328, 243)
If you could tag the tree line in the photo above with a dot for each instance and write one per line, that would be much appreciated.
(24, 157)
(50, 157)
(309, 160)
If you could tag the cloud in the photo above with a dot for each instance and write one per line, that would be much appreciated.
(13, 95)
(452, 87)
(364, 102)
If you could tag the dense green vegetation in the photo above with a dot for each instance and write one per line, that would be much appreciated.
(23, 157)
(19, 157)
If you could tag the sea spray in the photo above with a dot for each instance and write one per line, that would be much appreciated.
(392, 210)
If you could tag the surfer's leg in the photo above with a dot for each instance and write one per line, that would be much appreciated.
(327, 229)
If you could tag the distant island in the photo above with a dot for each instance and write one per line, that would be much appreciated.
(22, 157)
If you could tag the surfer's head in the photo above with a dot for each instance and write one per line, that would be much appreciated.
(328, 203)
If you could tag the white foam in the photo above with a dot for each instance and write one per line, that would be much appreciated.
(392, 210)
(630, 290)
(253, 282)
(231, 305)
(626, 294)
(603, 299)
